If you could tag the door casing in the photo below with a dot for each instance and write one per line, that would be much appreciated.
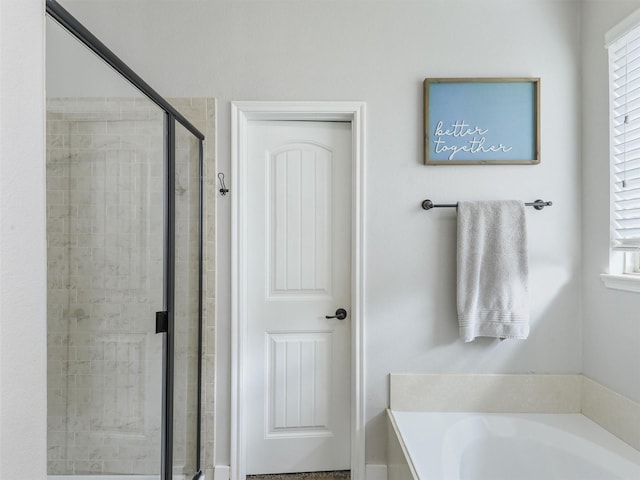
(241, 114)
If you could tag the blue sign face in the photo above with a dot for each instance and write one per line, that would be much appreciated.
(482, 121)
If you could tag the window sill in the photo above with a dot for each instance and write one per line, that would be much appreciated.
(630, 283)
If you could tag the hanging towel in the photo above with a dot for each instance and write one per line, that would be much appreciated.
(493, 270)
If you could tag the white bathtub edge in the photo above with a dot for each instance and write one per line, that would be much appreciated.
(399, 463)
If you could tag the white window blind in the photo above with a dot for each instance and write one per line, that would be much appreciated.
(624, 86)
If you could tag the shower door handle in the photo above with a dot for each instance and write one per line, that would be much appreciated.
(162, 322)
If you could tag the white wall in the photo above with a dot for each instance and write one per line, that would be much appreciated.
(380, 52)
(611, 318)
(23, 349)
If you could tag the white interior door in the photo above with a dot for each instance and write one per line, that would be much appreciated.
(297, 381)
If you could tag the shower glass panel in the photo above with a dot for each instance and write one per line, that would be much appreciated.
(105, 240)
(188, 300)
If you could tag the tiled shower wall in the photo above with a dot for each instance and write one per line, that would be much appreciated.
(105, 257)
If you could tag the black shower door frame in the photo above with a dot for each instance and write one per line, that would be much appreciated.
(165, 319)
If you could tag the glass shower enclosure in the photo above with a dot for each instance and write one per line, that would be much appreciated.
(124, 253)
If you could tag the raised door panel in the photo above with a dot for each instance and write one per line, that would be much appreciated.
(298, 383)
(299, 196)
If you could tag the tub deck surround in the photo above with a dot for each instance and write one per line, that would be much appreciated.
(518, 394)
(485, 393)
(612, 411)
(491, 446)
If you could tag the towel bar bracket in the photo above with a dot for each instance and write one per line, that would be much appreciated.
(539, 204)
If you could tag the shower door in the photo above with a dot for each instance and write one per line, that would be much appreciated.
(124, 255)
(106, 267)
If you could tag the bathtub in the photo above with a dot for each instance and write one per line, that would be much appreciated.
(486, 446)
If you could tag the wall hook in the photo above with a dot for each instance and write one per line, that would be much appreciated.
(223, 188)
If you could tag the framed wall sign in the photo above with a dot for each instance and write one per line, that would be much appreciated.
(478, 121)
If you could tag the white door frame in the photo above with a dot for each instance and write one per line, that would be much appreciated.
(241, 114)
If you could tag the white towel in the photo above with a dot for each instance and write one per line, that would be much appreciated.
(493, 270)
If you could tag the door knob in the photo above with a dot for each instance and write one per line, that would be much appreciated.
(341, 314)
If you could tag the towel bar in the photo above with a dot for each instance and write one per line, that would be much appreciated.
(428, 204)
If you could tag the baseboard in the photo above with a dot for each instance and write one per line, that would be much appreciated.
(375, 472)
(221, 472)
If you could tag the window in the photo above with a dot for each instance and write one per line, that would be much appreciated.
(623, 43)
